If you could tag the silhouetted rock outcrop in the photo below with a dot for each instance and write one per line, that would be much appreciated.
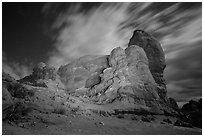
(192, 105)
(193, 113)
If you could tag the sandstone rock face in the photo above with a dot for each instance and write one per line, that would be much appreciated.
(155, 57)
(83, 72)
(128, 74)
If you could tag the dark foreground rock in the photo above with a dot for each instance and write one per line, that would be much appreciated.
(192, 113)
(182, 124)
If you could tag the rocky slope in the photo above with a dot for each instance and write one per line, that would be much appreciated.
(120, 93)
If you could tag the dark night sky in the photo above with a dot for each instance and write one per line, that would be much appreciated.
(56, 33)
(23, 35)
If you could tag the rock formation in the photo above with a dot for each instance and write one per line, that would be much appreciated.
(134, 74)
(128, 74)
(132, 78)
(43, 75)
(192, 105)
(155, 57)
(192, 113)
(42, 71)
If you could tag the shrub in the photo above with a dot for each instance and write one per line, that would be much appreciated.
(120, 116)
(61, 111)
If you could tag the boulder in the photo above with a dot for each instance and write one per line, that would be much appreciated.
(155, 57)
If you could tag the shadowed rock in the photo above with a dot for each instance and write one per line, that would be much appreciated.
(192, 113)
(192, 105)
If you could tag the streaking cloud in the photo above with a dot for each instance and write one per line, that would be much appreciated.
(95, 32)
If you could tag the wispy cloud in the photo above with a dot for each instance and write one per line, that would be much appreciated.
(95, 32)
(15, 69)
